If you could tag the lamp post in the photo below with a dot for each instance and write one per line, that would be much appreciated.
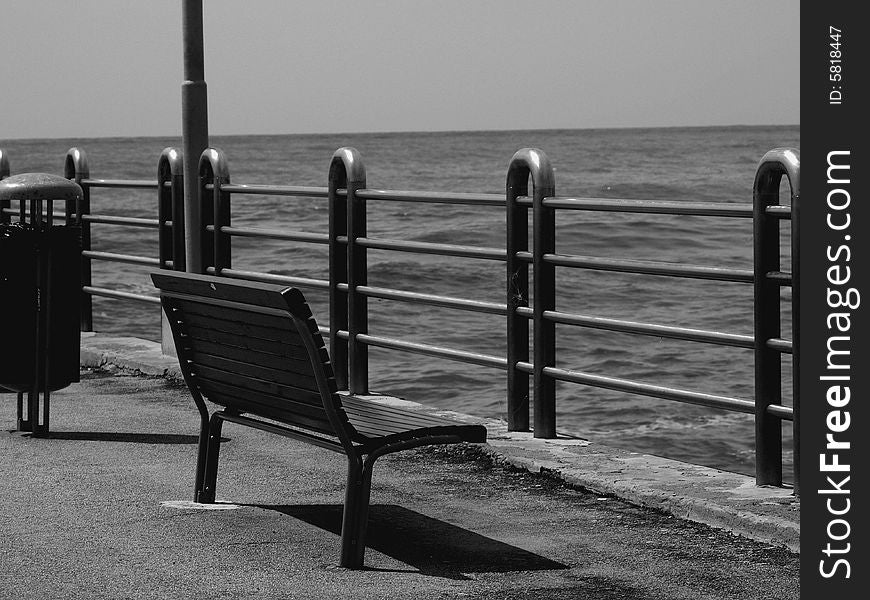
(194, 128)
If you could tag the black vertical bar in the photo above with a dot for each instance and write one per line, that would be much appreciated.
(164, 211)
(357, 275)
(544, 293)
(768, 386)
(4, 172)
(178, 249)
(170, 198)
(170, 208)
(21, 421)
(40, 426)
(768, 370)
(215, 210)
(205, 251)
(222, 240)
(39, 381)
(337, 268)
(517, 279)
(76, 168)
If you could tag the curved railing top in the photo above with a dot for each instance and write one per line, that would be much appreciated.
(76, 165)
(534, 163)
(4, 164)
(773, 165)
(213, 165)
(170, 163)
(354, 171)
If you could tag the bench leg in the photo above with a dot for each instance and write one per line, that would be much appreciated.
(207, 494)
(356, 512)
(202, 449)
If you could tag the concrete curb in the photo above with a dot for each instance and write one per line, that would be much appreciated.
(720, 499)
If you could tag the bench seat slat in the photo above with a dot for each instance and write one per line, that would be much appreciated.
(246, 356)
(411, 421)
(378, 412)
(250, 292)
(390, 422)
(246, 369)
(235, 340)
(461, 433)
(372, 420)
(288, 392)
(371, 428)
(255, 319)
(277, 404)
(278, 333)
(306, 436)
(299, 414)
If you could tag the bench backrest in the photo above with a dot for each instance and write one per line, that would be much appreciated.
(253, 348)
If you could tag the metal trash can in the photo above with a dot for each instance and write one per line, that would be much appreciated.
(40, 291)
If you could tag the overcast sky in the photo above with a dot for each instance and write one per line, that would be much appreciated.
(113, 67)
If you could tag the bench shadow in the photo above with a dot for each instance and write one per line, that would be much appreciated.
(431, 546)
(134, 438)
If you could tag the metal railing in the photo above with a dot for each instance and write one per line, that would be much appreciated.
(169, 190)
(530, 187)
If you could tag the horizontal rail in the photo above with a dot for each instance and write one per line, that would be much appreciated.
(107, 293)
(274, 234)
(431, 248)
(704, 209)
(666, 331)
(120, 183)
(484, 360)
(780, 344)
(780, 277)
(497, 200)
(645, 267)
(783, 412)
(656, 391)
(778, 211)
(121, 258)
(273, 190)
(429, 299)
(431, 197)
(116, 220)
(107, 219)
(271, 278)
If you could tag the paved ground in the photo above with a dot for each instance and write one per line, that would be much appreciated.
(99, 511)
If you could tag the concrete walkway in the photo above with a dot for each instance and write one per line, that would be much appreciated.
(101, 510)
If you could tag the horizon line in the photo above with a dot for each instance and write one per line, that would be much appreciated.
(411, 131)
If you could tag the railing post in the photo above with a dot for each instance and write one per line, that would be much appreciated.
(170, 217)
(4, 172)
(346, 170)
(170, 209)
(215, 211)
(526, 163)
(76, 168)
(517, 225)
(337, 266)
(768, 372)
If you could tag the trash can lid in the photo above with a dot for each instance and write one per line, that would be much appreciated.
(39, 186)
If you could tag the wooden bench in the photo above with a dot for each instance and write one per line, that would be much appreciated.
(255, 350)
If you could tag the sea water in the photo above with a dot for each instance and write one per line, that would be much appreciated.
(710, 164)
